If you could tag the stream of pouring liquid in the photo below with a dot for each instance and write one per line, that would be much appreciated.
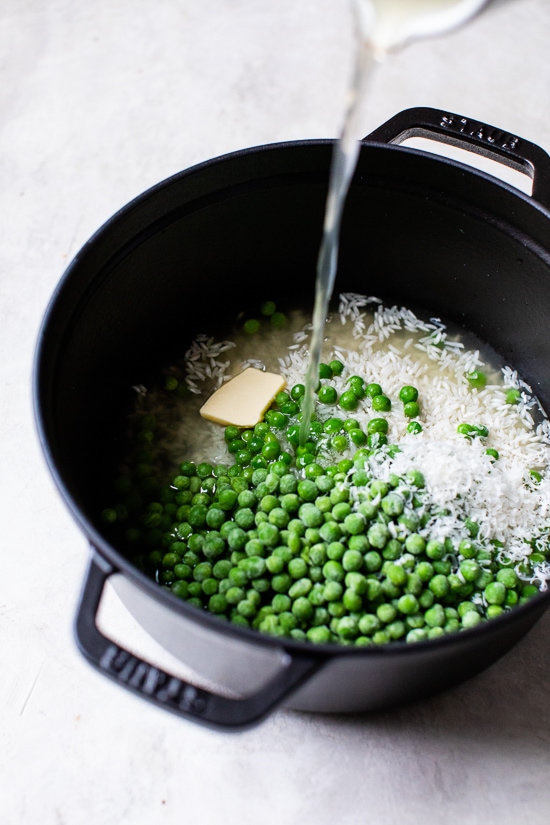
(382, 26)
(343, 165)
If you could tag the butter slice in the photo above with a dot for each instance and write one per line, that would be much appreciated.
(243, 401)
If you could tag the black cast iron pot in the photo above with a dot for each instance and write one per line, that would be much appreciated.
(418, 231)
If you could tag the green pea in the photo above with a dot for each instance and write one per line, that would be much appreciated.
(169, 560)
(354, 523)
(245, 518)
(297, 392)
(227, 500)
(109, 516)
(221, 568)
(300, 588)
(414, 584)
(426, 599)
(442, 566)
(327, 395)
(408, 393)
(396, 574)
(468, 549)
(238, 576)
(340, 512)
(373, 561)
(393, 504)
(344, 466)
(276, 419)
(373, 390)
(319, 635)
(378, 535)
(439, 585)
(415, 620)
(470, 569)
(183, 571)
(369, 624)
(297, 568)
(347, 627)
(307, 490)
(508, 577)
(381, 403)
(335, 550)
(484, 578)
(281, 583)
(278, 320)
(374, 589)
(495, 593)
(237, 538)
(435, 549)
(396, 629)
(348, 400)
(218, 603)
(415, 544)
(313, 471)
(352, 560)
(392, 550)
(339, 443)
(357, 437)
(512, 598)
(336, 366)
(311, 515)
(513, 396)
(470, 619)
(187, 468)
(435, 616)
(411, 409)
(333, 571)
(204, 470)
(210, 586)
(325, 371)
(377, 425)
(386, 613)
(477, 379)
(494, 610)
(333, 426)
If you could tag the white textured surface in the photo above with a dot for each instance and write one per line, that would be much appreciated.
(98, 101)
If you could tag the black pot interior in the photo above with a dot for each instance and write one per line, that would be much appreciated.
(188, 255)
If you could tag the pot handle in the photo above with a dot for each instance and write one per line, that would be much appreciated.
(168, 691)
(493, 143)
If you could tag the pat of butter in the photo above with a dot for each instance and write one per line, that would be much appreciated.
(243, 400)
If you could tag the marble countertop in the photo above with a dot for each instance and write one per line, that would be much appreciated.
(99, 101)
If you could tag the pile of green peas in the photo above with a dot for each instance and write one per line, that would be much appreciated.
(298, 541)
(277, 437)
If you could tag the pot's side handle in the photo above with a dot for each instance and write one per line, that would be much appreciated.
(168, 691)
(466, 133)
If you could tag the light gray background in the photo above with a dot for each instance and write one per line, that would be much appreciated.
(98, 101)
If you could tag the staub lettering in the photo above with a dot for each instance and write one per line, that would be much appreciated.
(152, 682)
(494, 137)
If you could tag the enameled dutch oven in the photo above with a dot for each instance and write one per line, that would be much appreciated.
(418, 231)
